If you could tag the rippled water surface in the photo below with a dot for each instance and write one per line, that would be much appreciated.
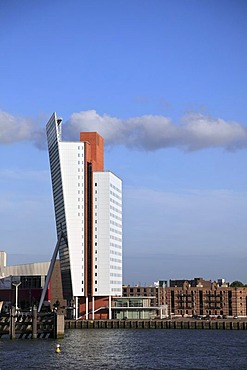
(129, 349)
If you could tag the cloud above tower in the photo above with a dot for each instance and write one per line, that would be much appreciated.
(148, 132)
(153, 132)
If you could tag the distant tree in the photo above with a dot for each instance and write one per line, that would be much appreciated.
(236, 283)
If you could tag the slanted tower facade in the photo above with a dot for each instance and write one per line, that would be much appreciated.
(88, 210)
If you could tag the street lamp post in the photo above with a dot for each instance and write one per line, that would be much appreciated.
(16, 294)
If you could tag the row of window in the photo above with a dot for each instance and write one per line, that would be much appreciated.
(113, 267)
(115, 253)
(115, 238)
(115, 260)
(148, 289)
(115, 282)
(212, 293)
(115, 224)
(117, 210)
(115, 188)
(115, 202)
(119, 290)
(115, 231)
(115, 216)
(114, 245)
(115, 195)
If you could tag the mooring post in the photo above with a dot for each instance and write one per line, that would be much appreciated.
(58, 325)
(12, 323)
(34, 322)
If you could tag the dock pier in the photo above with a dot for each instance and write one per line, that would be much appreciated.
(157, 324)
(52, 325)
(32, 324)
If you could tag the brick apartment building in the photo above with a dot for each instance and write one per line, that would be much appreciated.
(200, 297)
(195, 297)
(156, 294)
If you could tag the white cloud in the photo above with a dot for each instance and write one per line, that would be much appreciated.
(202, 132)
(149, 132)
(13, 129)
(152, 132)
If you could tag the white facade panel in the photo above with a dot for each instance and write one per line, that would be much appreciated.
(91, 259)
(72, 172)
(28, 269)
(107, 201)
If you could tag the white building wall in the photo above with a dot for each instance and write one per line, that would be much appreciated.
(72, 171)
(107, 213)
(68, 182)
(28, 269)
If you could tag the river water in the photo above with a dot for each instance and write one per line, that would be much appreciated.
(129, 349)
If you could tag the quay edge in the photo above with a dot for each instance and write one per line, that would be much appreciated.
(157, 324)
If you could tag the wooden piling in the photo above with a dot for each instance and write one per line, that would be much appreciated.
(12, 323)
(34, 322)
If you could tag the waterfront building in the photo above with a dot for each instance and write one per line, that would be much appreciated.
(88, 212)
(156, 292)
(141, 291)
(134, 308)
(182, 298)
(30, 278)
(196, 297)
(209, 299)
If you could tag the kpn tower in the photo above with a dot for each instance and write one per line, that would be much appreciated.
(88, 213)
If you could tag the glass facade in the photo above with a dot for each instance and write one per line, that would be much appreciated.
(53, 131)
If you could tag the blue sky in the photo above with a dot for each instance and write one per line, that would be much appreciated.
(165, 83)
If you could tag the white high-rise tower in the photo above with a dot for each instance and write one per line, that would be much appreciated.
(88, 210)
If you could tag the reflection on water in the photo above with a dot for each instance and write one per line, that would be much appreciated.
(129, 349)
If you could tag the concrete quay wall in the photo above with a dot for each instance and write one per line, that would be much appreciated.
(157, 324)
